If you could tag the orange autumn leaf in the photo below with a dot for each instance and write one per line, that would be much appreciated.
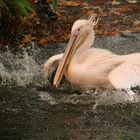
(125, 33)
(72, 3)
(28, 38)
(68, 3)
(44, 41)
(60, 16)
(136, 26)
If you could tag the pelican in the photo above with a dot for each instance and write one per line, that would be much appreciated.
(88, 67)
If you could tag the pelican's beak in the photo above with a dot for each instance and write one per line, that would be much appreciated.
(74, 43)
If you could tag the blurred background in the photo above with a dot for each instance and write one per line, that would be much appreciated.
(46, 21)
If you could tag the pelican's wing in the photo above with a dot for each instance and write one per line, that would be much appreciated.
(125, 76)
(51, 64)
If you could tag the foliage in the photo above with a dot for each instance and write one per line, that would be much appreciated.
(116, 18)
(54, 4)
(23, 6)
(2, 4)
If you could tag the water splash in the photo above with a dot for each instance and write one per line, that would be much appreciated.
(98, 97)
(25, 68)
(21, 69)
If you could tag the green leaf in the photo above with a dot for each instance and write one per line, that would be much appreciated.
(2, 4)
(54, 4)
(24, 6)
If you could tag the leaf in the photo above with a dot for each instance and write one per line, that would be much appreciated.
(72, 3)
(44, 41)
(66, 36)
(132, 1)
(122, 10)
(61, 17)
(87, 12)
(68, 3)
(28, 38)
(136, 26)
(114, 2)
(111, 33)
(24, 6)
(126, 33)
(136, 23)
(55, 3)
(2, 3)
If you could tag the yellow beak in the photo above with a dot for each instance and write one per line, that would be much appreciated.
(74, 43)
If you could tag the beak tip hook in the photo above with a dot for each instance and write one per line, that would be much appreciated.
(55, 85)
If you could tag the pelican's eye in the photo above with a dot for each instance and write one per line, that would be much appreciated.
(78, 29)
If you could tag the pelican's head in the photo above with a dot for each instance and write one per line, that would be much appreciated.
(80, 31)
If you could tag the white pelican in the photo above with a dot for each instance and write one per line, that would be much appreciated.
(88, 67)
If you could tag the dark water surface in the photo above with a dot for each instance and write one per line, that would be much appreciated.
(30, 109)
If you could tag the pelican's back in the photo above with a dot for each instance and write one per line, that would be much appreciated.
(127, 74)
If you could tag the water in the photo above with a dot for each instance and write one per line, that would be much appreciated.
(31, 109)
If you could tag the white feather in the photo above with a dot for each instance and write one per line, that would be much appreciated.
(127, 74)
(51, 64)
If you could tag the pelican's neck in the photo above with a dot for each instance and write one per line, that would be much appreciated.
(87, 43)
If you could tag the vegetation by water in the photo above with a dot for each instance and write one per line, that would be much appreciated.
(45, 25)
